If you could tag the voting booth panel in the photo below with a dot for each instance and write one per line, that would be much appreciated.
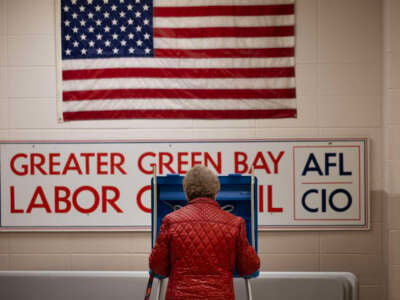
(238, 195)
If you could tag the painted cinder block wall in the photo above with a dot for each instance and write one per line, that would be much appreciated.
(342, 92)
(391, 127)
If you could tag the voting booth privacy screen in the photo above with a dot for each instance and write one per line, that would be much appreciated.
(238, 195)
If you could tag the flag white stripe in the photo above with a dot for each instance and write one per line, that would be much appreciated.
(181, 83)
(225, 104)
(81, 64)
(219, 2)
(239, 21)
(223, 43)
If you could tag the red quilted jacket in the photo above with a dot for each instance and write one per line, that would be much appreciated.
(198, 247)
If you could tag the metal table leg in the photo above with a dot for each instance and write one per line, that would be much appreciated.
(253, 234)
(248, 289)
(160, 289)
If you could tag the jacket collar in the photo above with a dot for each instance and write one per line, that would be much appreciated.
(204, 200)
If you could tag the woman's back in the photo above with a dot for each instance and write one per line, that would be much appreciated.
(205, 244)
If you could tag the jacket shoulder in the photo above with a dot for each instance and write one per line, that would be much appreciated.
(232, 218)
(238, 221)
(213, 214)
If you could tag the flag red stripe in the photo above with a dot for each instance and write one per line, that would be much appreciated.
(222, 10)
(179, 114)
(177, 73)
(209, 32)
(220, 53)
(180, 94)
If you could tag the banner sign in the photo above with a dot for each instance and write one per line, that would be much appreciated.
(303, 184)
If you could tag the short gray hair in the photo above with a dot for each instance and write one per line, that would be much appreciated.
(200, 181)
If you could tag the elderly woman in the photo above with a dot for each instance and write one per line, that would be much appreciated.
(200, 245)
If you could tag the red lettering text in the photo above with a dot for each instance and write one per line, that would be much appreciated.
(64, 198)
(139, 199)
(40, 195)
(14, 210)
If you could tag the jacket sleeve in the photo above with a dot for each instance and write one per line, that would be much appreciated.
(159, 262)
(247, 260)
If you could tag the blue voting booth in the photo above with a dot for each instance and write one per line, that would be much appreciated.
(238, 195)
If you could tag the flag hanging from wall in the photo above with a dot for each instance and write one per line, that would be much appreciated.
(176, 59)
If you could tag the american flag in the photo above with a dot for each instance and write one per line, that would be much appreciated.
(200, 59)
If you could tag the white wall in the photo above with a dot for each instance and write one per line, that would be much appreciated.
(391, 126)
